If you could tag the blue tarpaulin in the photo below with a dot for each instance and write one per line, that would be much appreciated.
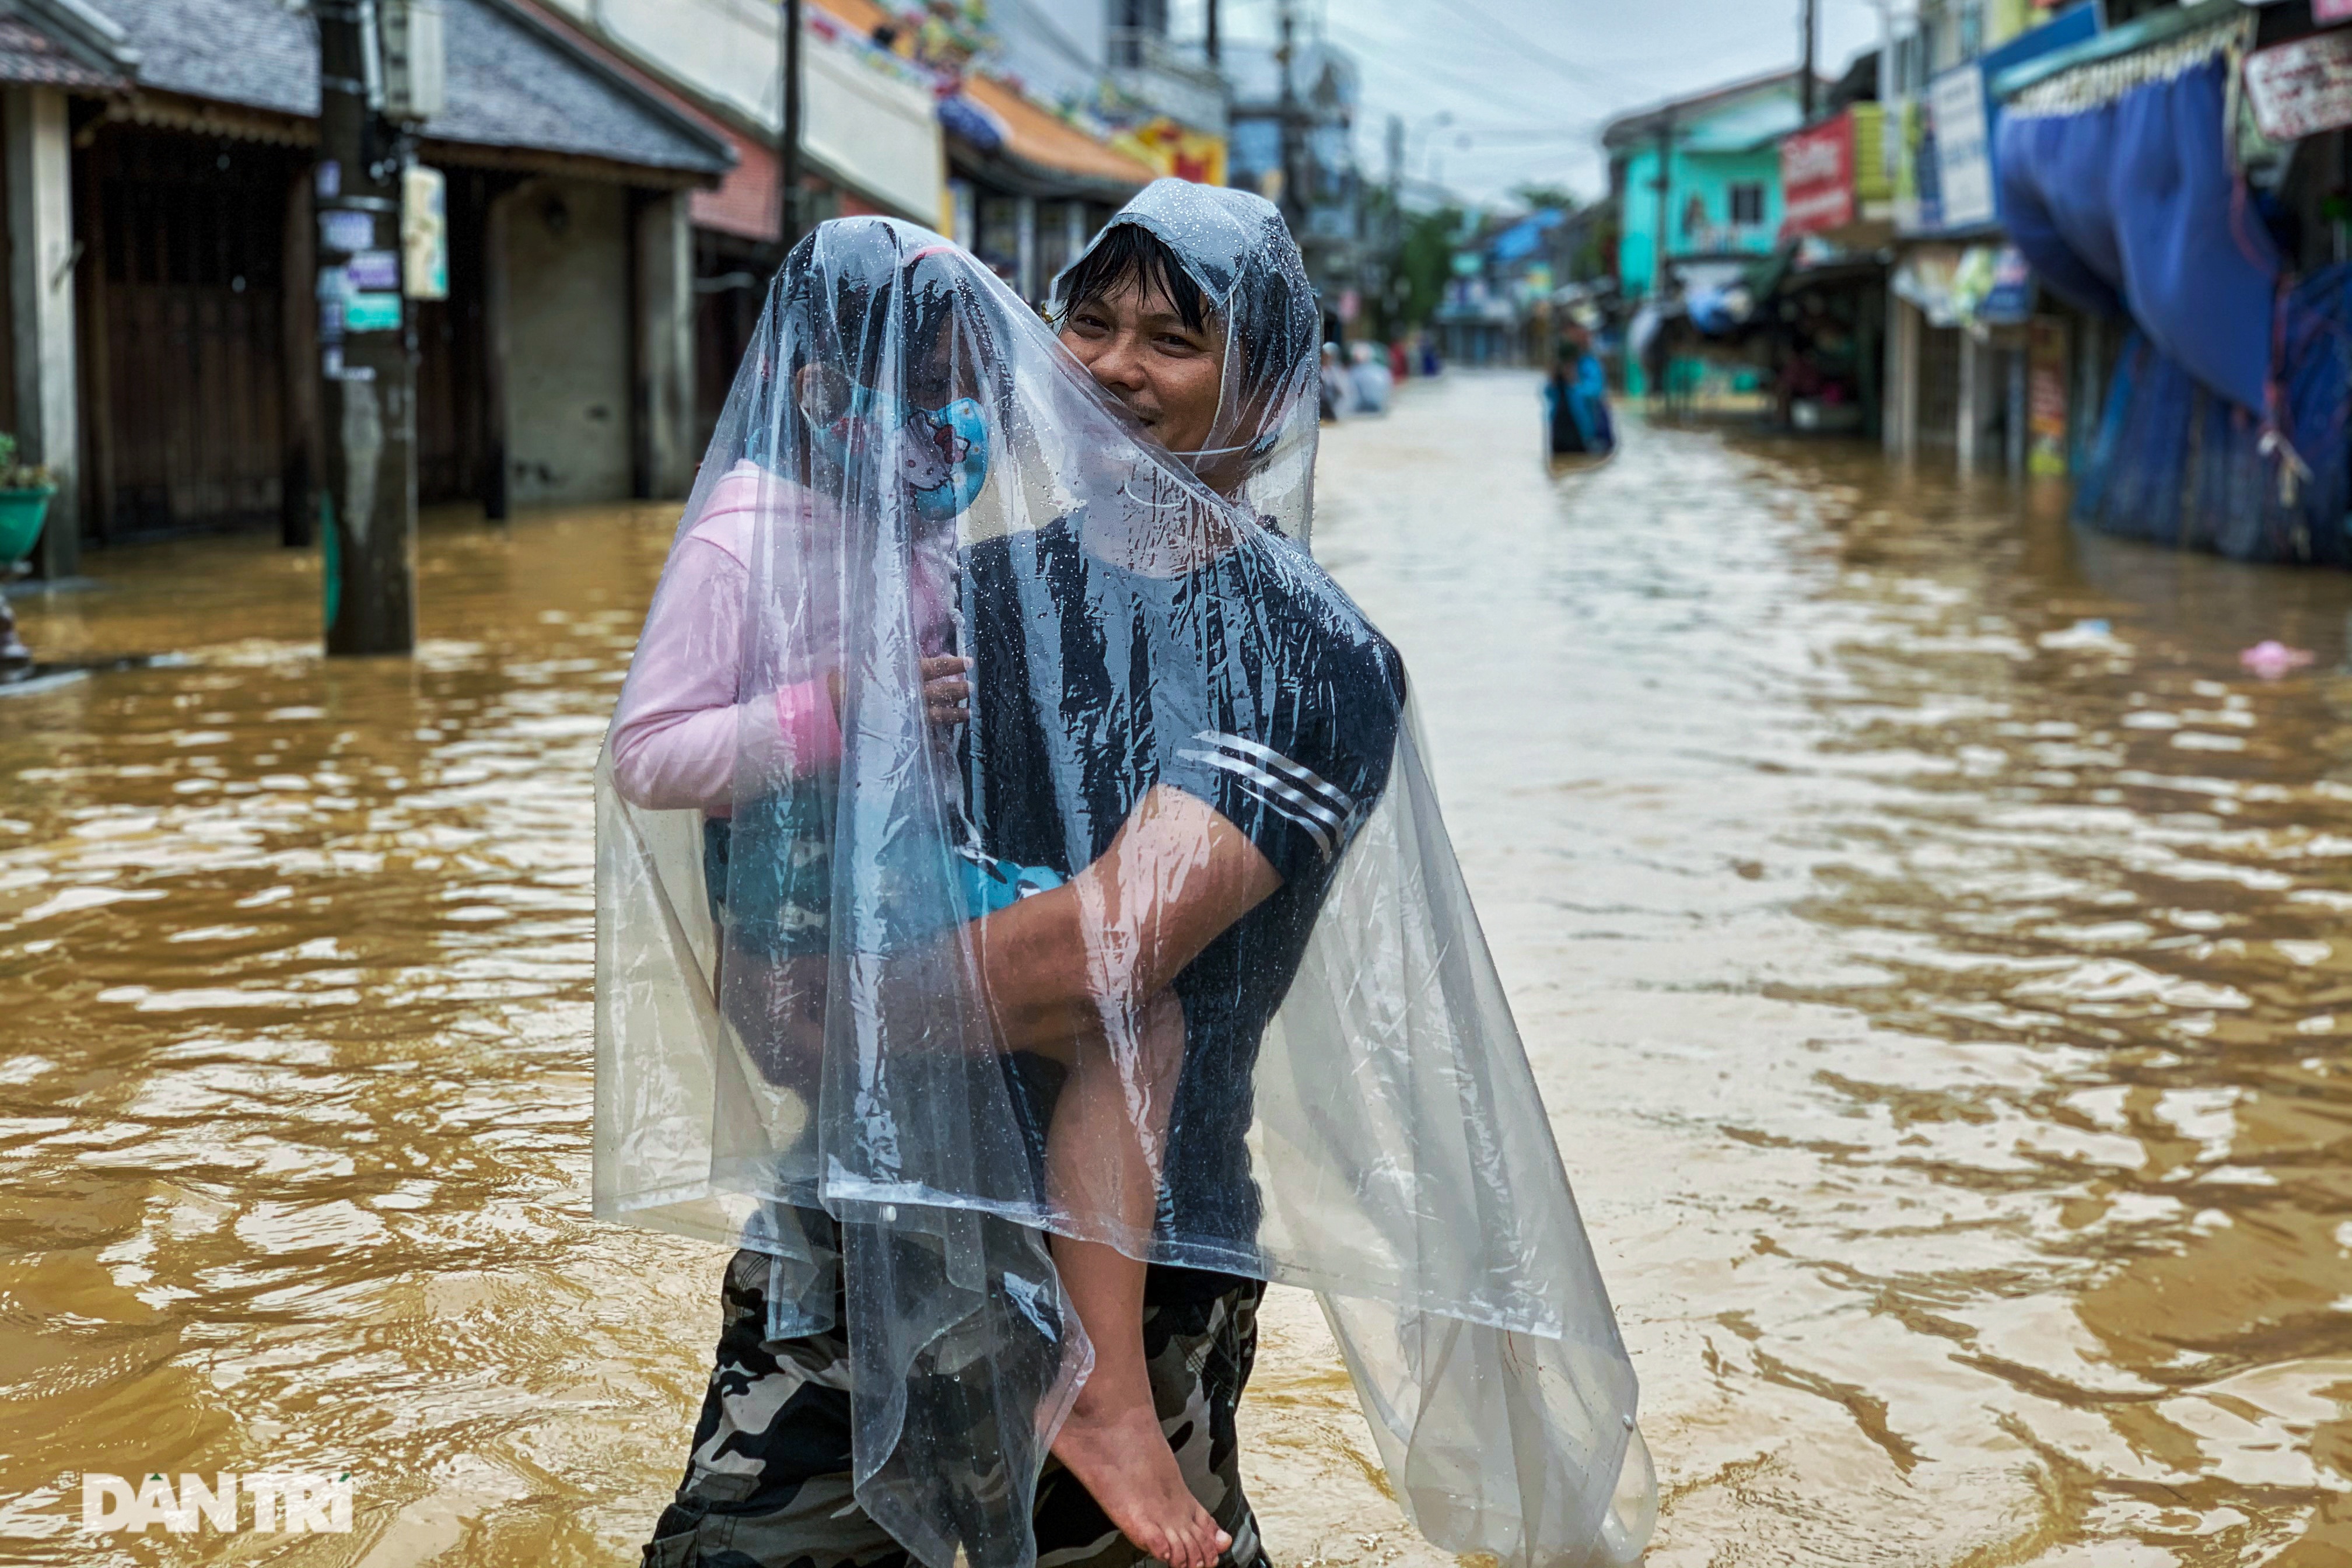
(2225, 426)
(2130, 207)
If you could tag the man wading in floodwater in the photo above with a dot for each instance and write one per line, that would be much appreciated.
(965, 836)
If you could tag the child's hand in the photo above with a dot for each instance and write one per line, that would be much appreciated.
(946, 694)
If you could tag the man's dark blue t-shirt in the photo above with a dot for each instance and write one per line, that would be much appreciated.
(1250, 683)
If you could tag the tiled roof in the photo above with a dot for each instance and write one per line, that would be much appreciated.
(511, 86)
(29, 55)
(510, 83)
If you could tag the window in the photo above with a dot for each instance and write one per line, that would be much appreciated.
(1134, 23)
(1747, 205)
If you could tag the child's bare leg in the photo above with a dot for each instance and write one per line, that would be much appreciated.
(1100, 1162)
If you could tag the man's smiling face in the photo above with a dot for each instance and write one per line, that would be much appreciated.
(1138, 345)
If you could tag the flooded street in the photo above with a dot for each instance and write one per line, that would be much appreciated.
(1929, 940)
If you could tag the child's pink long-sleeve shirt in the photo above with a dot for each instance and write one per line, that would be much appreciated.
(684, 726)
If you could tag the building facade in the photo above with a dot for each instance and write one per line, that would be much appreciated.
(871, 140)
(1699, 179)
(164, 335)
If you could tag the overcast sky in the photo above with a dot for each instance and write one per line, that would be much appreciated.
(1530, 83)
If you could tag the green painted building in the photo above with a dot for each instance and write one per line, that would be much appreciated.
(1720, 197)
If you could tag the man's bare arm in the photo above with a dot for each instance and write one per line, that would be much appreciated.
(1054, 965)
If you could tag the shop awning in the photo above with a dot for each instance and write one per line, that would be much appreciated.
(1049, 145)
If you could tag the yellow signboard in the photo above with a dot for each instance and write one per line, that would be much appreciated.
(1175, 150)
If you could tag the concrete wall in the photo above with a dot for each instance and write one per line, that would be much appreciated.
(568, 392)
(1056, 46)
(870, 120)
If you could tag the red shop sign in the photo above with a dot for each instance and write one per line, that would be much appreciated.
(1817, 177)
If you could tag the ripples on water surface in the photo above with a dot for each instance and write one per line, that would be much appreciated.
(1940, 1000)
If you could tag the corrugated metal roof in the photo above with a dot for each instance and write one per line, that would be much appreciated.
(511, 84)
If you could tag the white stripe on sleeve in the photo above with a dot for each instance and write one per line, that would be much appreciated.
(1309, 815)
(1304, 778)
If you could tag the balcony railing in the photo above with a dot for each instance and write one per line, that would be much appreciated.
(1173, 77)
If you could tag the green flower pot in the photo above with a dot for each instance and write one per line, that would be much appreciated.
(21, 513)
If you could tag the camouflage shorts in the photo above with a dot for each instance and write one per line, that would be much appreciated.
(768, 1484)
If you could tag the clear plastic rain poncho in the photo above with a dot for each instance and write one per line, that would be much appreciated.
(890, 993)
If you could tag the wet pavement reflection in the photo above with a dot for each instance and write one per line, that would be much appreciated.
(1925, 931)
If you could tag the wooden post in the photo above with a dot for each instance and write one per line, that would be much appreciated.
(368, 382)
(1980, 392)
(496, 313)
(41, 261)
(2016, 412)
(1965, 427)
(298, 505)
(662, 353)
(93, 362)
(1903, 349)
(1665, 182)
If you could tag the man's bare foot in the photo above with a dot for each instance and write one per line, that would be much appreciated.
(1119, 1455)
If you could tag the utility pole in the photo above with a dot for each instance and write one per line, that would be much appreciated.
(1211, 45)
(788, 134)
(367, 344)
(1809, 23)
(1291, 205)
(1664, 182)
(1391, 239)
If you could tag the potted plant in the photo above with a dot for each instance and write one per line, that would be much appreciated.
(24, 492)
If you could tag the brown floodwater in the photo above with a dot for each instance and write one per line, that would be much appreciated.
(1927, 936)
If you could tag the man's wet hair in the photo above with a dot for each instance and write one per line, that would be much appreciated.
(1128, 254)
(1270, 341)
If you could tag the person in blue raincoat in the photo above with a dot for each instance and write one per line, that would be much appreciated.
(1576, 400)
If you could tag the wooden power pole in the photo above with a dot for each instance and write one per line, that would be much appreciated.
(368, 379)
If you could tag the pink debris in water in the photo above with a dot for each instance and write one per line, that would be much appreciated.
(2270, 659)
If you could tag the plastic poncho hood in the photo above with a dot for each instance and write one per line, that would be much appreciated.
(1156, 940)
(1236, 249)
